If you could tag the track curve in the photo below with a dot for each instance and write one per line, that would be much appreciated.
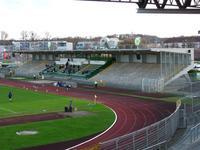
(133, 113)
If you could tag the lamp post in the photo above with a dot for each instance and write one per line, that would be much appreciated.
(199, 42)
(191, 93)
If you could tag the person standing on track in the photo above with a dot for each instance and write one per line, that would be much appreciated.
(10, 95)
(95, 99)
(95, 84)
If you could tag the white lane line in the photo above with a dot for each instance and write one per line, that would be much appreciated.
(8, 110)
(97, 135)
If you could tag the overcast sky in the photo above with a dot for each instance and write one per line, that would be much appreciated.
(64, 18)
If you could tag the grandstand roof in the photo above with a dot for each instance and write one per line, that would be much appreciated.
(107, 51)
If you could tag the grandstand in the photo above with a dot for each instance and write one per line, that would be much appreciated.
(76, 68)
(128, 75)
(30, 69)
(87, 69)
(148, 70)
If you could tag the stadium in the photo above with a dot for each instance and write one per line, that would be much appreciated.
(95, 95)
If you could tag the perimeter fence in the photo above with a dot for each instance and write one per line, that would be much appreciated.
(152, 137)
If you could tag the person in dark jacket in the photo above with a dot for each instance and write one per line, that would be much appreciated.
(10, 95)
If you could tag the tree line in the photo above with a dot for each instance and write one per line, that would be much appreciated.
(26, 35)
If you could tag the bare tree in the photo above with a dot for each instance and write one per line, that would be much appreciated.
(4, 35)
(47, 35)
(144, 42)
(24, 35)
(33, 35)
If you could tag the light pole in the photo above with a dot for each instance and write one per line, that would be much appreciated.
(191, 93)
(198, 44)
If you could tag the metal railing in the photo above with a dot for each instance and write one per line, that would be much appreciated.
(150, 137)
(152, 85)
(195, 133)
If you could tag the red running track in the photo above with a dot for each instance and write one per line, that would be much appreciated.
(133, 113)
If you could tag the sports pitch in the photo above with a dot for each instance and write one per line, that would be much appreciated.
(26, 102)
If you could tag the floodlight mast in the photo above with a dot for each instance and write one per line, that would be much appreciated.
(162, 6)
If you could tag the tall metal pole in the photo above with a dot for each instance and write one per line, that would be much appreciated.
(161, 75)
(191, 96)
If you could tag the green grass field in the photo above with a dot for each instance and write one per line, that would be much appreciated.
(30, 102)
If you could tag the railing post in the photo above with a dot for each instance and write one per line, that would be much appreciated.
(133, 141)
(196, 136)
(158, 131)
(147, 142)
(185, 116)
(143, 87)
(165, 146)
(166, 130)
(116, 142)
(191, 136)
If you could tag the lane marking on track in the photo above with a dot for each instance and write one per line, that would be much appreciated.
(8, 110)
(121, 110)
(134, 116)
(97, 135)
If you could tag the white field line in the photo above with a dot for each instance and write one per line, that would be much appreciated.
(8, 110)
(97, 135)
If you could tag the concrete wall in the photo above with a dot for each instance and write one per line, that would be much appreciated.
(49, 57)
(36, 57)
(188, 51)
(43, 57)
(151, 58)
(124, 58)
(138, 58)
